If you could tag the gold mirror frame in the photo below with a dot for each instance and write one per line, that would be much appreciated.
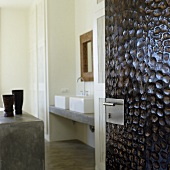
(84, 40)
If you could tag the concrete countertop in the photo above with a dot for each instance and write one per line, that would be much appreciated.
(25, 117)
(21, 142)
(86, 118)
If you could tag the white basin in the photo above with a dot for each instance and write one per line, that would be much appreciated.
(82, 104)
(62, 102)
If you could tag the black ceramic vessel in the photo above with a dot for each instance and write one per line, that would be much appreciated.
(8, 101)
(18, 101)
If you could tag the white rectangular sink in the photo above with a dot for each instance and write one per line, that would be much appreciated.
(62, 102)
(82, 104)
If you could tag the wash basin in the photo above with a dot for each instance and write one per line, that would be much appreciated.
(62, 101)
(82, 104)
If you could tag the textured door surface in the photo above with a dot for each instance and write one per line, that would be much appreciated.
(138, 71)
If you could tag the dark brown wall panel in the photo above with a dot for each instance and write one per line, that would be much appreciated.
(138, 70)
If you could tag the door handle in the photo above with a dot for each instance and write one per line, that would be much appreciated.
(114, 110)
(112, 103)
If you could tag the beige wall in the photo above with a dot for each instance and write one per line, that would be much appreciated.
(67, 20)
(14, 52)
(0, 58)
(84, 12)
(61, 61)
(84, 15)
(61, 47)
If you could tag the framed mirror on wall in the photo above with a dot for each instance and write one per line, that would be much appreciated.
(86, 56)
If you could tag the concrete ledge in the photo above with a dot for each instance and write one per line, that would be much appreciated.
(86, 118)
(21, 143)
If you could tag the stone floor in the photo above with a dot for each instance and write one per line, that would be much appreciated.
(69, 155)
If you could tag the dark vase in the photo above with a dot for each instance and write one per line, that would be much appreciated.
(18, 100)
(8, 101)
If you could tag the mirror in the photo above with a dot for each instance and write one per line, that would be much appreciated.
(86, 53)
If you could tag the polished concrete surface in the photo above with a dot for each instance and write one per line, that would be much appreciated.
(21, 143)
(69, 155)
(86, 118)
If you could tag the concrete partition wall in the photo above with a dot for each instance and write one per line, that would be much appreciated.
(22, 143)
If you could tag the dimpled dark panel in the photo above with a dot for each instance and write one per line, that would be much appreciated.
(138, 70)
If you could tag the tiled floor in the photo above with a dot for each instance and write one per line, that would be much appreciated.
(69, 155)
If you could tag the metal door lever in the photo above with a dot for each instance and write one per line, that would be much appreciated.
(114, 110)
(112, 104)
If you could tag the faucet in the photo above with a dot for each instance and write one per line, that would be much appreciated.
(81, 78)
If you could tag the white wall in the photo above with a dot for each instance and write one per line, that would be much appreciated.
(84, 12)
(61, 47)
(14, 52)
(0, 57)
(33, 71)
(61, 61)
(67, 20)
(84, 134)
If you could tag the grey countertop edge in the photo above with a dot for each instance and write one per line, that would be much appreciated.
(23, 118)
(86, 118)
